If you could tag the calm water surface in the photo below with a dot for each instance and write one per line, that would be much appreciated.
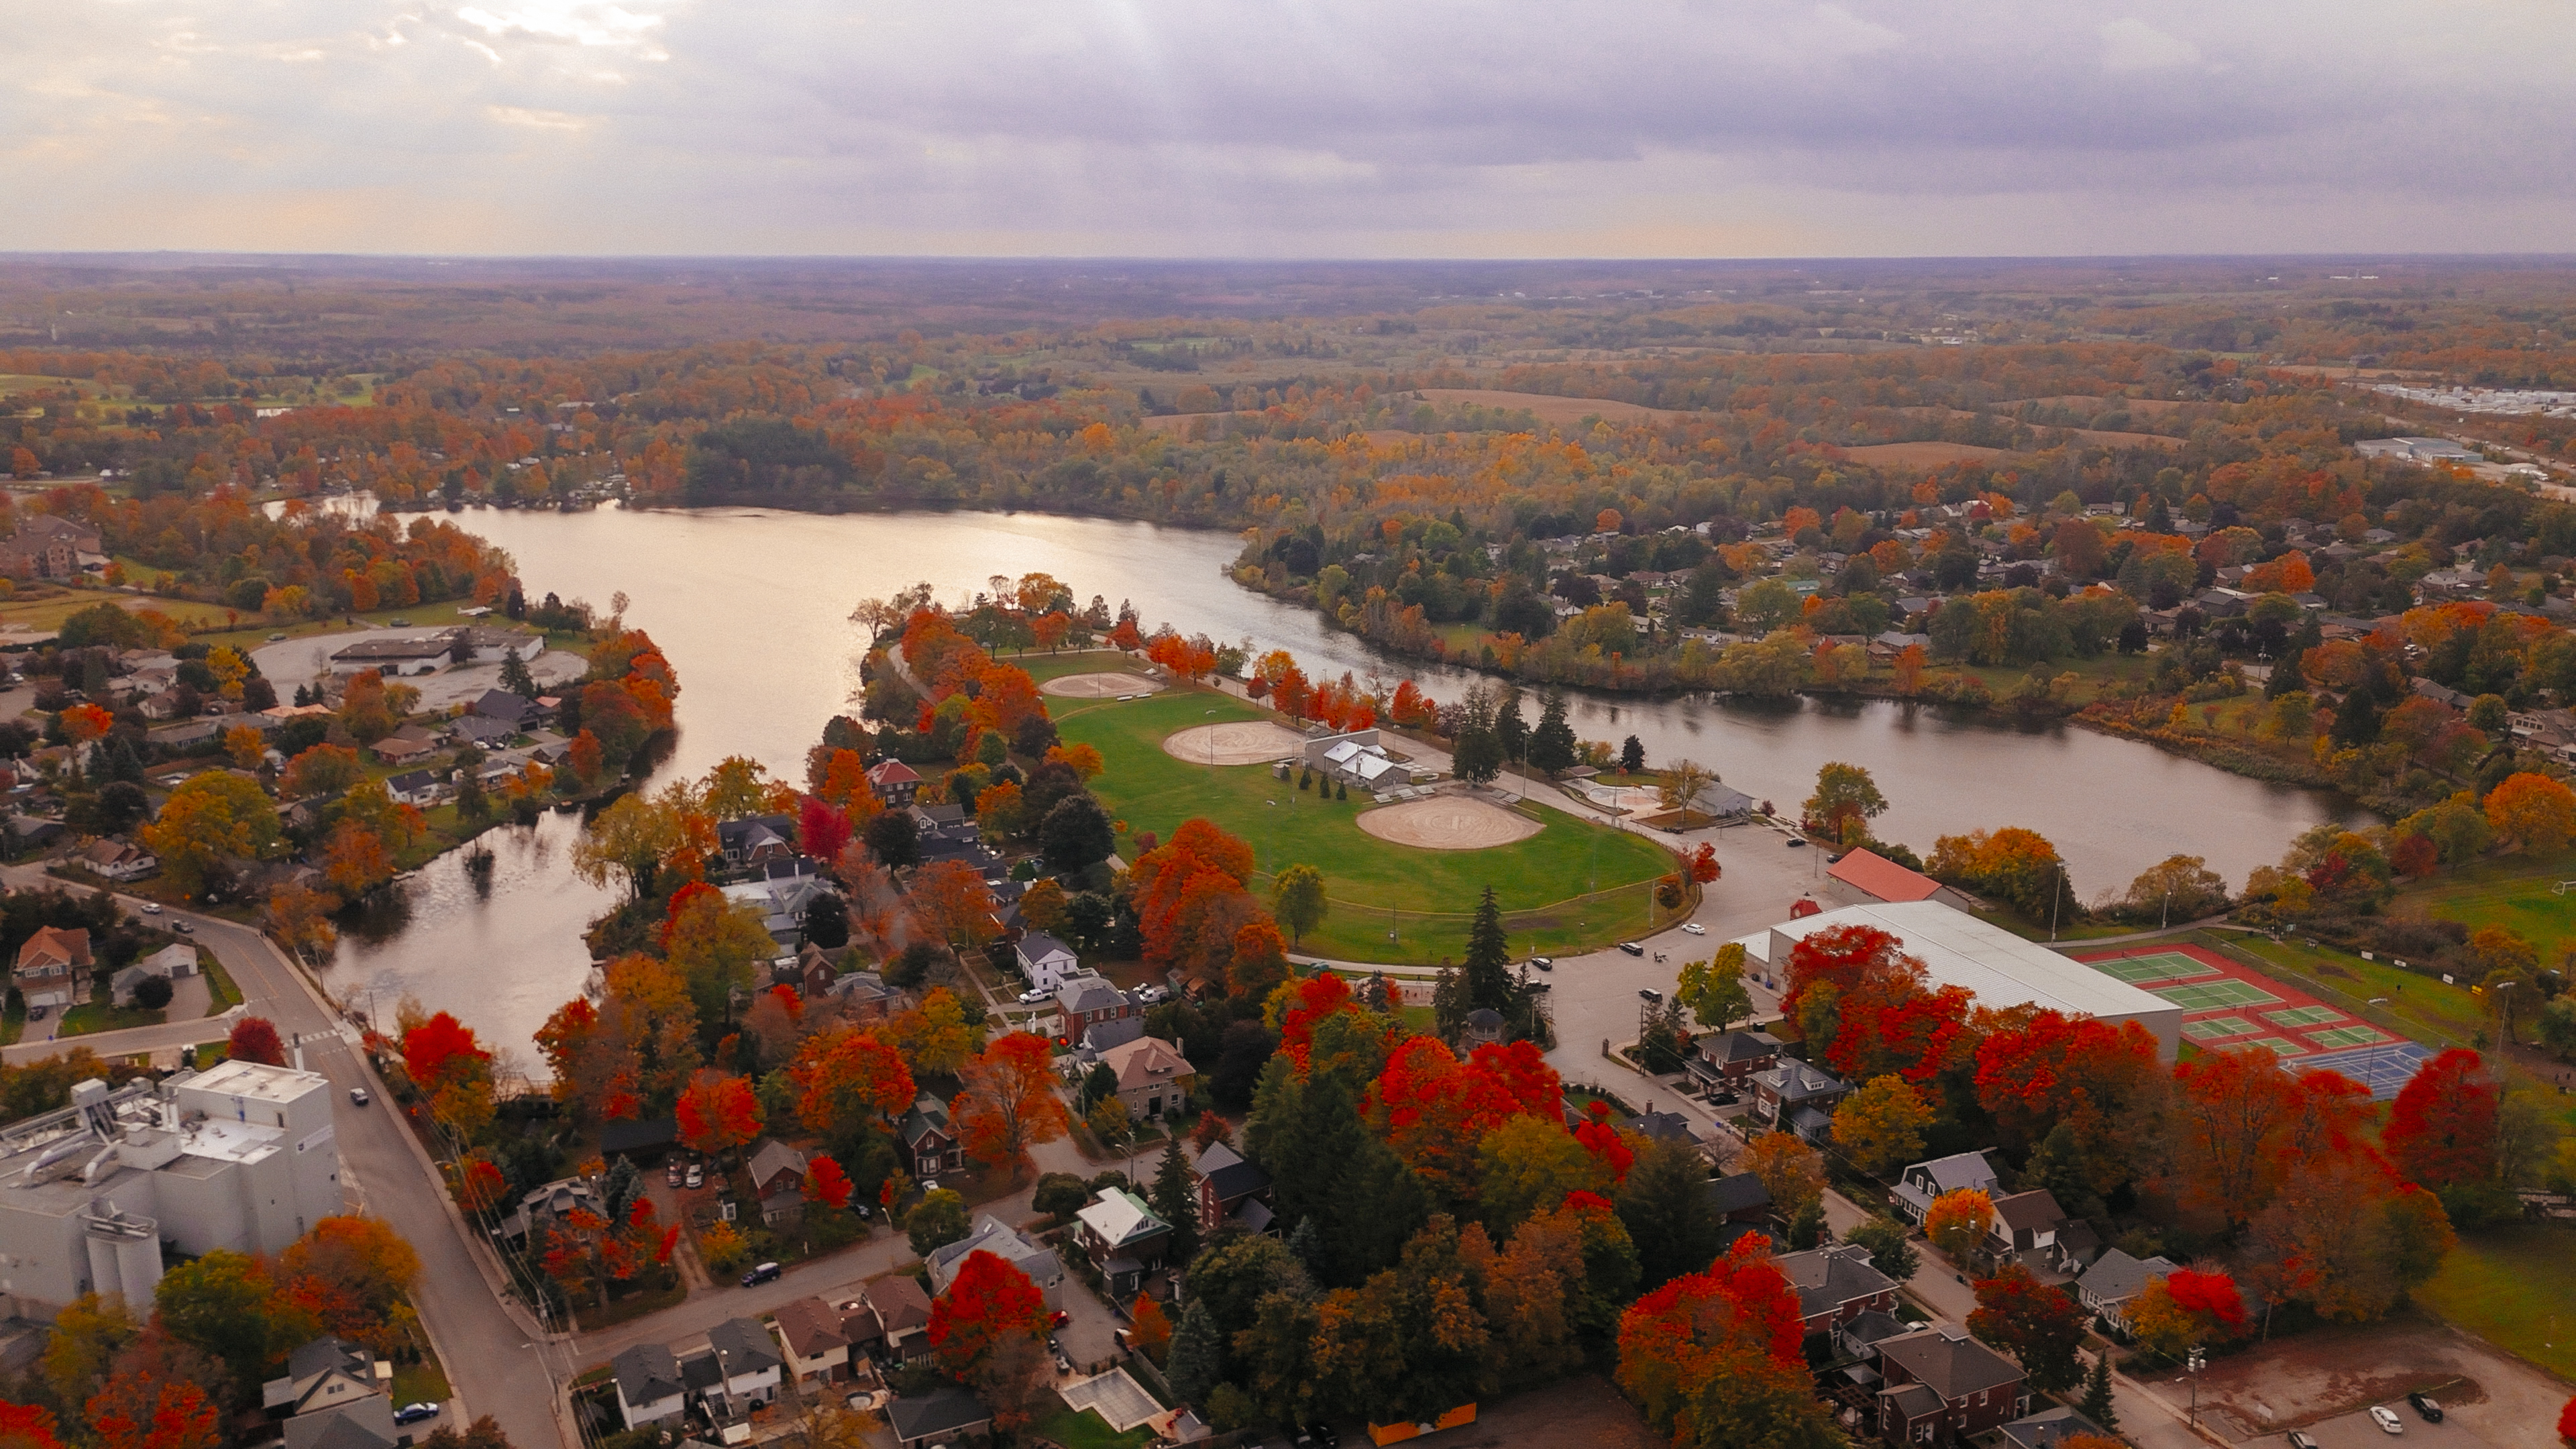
(752, 607)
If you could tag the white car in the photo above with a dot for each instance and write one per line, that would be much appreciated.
(151, 908)
(1034, 995)
(2386, 1419)
(1694, 928)
(1152, 995)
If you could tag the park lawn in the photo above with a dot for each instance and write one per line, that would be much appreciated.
(437, 615)
(51, 611)
(1571, 886)
(2092, 676)
(2513, 891)
(1087, 1430)
(2420, 1006)
(1043, 667)
(2510, 1286)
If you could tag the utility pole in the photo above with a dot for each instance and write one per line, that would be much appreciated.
(2195, 1363)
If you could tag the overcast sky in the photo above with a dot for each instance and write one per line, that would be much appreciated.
(1345, 128)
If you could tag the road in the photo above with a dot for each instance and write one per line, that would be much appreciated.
(385, 1173)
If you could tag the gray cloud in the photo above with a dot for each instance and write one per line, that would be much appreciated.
(1329, 126)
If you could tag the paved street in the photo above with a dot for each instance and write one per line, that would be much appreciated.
(385, 1173)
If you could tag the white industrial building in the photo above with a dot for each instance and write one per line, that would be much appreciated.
(1999, 968)
(239, 1157)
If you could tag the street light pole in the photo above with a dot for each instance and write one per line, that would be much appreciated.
(2196, 1363)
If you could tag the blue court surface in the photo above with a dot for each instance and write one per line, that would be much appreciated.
(2384, 1068)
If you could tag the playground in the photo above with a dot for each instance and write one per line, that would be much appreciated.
(1565, 883)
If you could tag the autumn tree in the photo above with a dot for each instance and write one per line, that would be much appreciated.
(935, 1037)
(848, 1081)
(2019, 866)
(1846, 800)
(1297, 900)
(1009, 1102)
(2040, 1326)
(1881, 1126)
(1958, 1221)
(1434, 1109)
(2183, 1310)
(2534, 812)
(718, 1111)
(1791, 1171)
(951, 904)
(1528, 1164)
(2346, 1238)
(1714, 989)
(715, 943)
(255, 1039)
(210, 820)
(2442, 1128)
(447, 1064)
(1713, 1359)
(2177, 888)
(989, 1304)
(1189, 895)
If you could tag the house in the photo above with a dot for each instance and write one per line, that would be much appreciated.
(390, 657)
(503, 707)
(2113, 1280)
(1484, 1027)
(1942, 1389)
(482, 731)
(1924, 1181)
(404, 746)
(46, 547)
(1864, 875)
(1229, 1188)
(322, 1374)
(778, 1180)
(930, 1139)
(1794, 1097)
(998, 1238)
(1739, 1198)
(1153, 1077)
(119, 859)
(53, 967)
(784, 890)
(649, 1389)
(756, 840)
(1835, 1284)
(1086, 1000)
(2043, 1429)
(859, 1326)
(1123, 1239)
(365, 1422)
(540, 1207)
(420, 788)
(2025, 1222)
(739, 1369)
(894, 781)
(903, 1314)
(1726, 1062)
(1860, 1335)
(1661, 1127)
(867, 994)
(1044, 960)
(809, 971)
(942, 1416)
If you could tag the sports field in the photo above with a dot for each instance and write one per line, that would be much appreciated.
(2208, 994)
(1570, 886)
(2229, 1005)
(2155, 966)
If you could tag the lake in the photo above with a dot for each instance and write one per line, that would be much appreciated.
(752, 607)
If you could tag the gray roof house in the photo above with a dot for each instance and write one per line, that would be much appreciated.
(1794, 1097)
(1836, 1283)
(365, 1422)
(998, 1238)
(1924, 1181)
(2043, 1429)
(941, 1416)
(649, 1387)
(2114, 1279)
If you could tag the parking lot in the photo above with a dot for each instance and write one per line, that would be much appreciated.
(2356, 1431)
(2323, 1381)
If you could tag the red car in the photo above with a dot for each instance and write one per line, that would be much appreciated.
(1058, 1318)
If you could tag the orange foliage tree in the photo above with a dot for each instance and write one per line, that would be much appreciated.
(1009, 1102)
(718, 1110)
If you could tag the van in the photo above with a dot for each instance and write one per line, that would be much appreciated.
(763, 1273)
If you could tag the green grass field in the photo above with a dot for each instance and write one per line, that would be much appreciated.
(2511, 1287)
(1042, 666)
(2512, 891)
(2420, 1007)
(1571, 886)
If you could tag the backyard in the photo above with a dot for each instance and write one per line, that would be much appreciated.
(1569, 886)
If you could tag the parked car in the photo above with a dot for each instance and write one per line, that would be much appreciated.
(1542, 986)
(2425, 1406)
(1059, 1319)
(1544, 963)
(151, 908)
(697, 1174)
(2386, 1419)
(1694, 928)
(183, 928)
(671, 1173)
(414, 1413)
(1632, 948)
(1150, 995)
(1033, 996)
(1063, 1365)
(276, 638)
(358, 1097)
(1722, 1099)
(1796, 843)
(2301, 1441)
(37, 1013)
(761, 1273)
(1648, 993)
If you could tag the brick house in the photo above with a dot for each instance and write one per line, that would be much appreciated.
(894, 781)
(1727, 1061)
(1086, 1001)
(1835, 1284)
(1945, 1390)
(930, 1139)
(1229, 1187)
(1794, 1097)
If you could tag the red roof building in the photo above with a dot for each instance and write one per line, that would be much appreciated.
(1863, 876)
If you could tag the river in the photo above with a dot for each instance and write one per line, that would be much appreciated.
(752, 607)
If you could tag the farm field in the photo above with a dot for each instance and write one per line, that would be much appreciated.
(1546, 883)
(1917, 455)
(1561, 412)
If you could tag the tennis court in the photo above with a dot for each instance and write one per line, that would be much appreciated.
(2384, 1069)
(2346, 1036)
(2303, 1016)
(2218, 1028)
(2153, 966)
(2277, 1046)
(2210, 995)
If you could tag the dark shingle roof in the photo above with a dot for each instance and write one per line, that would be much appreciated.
(1952, 1367)
(1828, 1278)
(645, 1372)
(1741, 1192)
(940, 1411)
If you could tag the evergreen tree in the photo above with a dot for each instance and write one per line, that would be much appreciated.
(2097, 1394)
(1449, 1004)
(1664, 1204)
(1510, 730)
(1632, 755)
(1175, 1203)
(1551, 746)
(623, 1185)
(1197, 1358)
(1341, 789)
(1308, 1246)
(1808, 1227)
(515, 676)
(1489, 957)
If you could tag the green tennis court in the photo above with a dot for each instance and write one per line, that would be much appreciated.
(2159, 966)
(2279, 1046)
(2303, 1016)
(2218, 1027)
(2345, 1036)
(2211, 995)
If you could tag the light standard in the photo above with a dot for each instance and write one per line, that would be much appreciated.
(1209, 714)
(2195, 1363)
(2504, 1016)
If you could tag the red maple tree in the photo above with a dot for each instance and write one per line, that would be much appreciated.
(2212, 1296)
(27, 1426)
(2442, 1127)
(1739, 1320)
(717, 1110)
(1433, 1109)
(990, 1300)
(826, 1183)
(845, 1076)
(439, 1046)
(254, 1039)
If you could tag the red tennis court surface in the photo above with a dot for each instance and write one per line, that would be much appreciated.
(2226, 1004)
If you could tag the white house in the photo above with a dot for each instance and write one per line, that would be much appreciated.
(648, 1385)
(1045, 960)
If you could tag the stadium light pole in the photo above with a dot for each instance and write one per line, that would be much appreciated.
(1210, 715)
